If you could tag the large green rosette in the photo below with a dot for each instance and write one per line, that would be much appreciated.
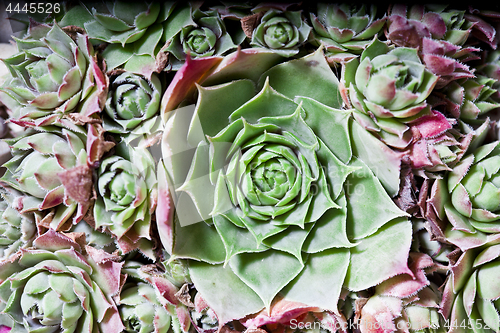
(269, 200)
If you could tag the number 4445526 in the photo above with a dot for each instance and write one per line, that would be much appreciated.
(32, 8)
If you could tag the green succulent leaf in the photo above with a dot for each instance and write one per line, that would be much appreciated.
(219, 296)
(373, 260)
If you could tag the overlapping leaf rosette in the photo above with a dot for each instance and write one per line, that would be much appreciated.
(16, 230)
(405, 303)
(408, 25)
(345, 29)
(132, 30)
(60, 285)
(439, 35)
(53, 77)
(464, 205)
(197, 33)
(259, 190)
(173, 289)
(388, 88)
(471, 99)
(53, 171)
(120, 22)
(127, 197)
(140, 304)
(471, 294)
(282, 31)
(132, 108)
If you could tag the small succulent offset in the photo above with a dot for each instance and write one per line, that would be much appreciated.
(261, 184)
(407, 26)
(282, 32)
(345, 29)
(471, 294)
(60, 285)
(388, 87)
(16, 230)
(52, 76)
(133, 105)
(120, 22)
(126, 197)
(438, 34)
(192, 32)
(468, 198)
(140, 304)
(51, 168)
(131, 31)
(471, 99)
(436, 145)
(404, 303)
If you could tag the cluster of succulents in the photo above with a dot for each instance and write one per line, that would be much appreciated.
(251, 167)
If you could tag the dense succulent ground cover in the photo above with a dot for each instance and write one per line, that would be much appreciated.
(251, 167)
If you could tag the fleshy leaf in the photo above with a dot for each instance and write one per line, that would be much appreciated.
(227, 295)
(266, 272)
(198, 241)
(368, 207)
(380, 256)
(323, 271)
(287, 79)
(383, 161)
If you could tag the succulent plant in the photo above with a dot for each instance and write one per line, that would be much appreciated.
(261, 184)
(126, 197)
(133, 105)
(131, 30)
(120, 21)
(407, 26)
(175, 300)
(436, 145)
(469, 99)
(345, 29)
(447, 60)
(388, 89)
(283, 32)
(438, 34)
(404, 303)
(470, 296)
(60, 285)
(16, 230)
(20, 20)
(197, 33)
(52, 76)
(51, 168)
(139, 304)
(468, 198)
